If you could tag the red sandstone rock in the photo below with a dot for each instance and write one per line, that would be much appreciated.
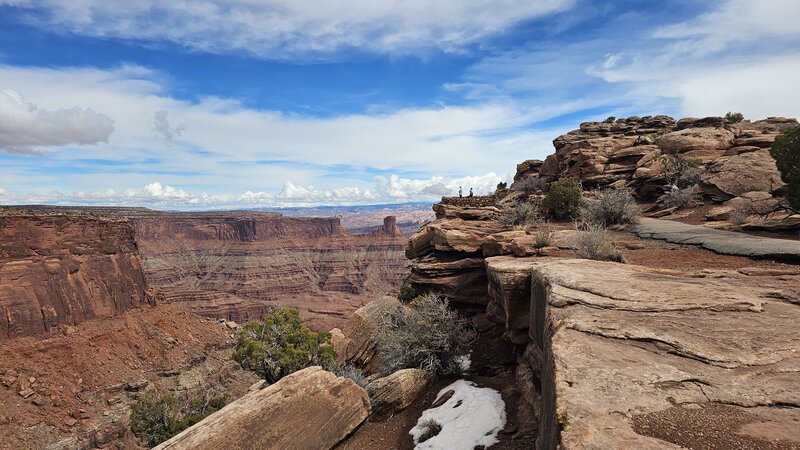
(59, 270)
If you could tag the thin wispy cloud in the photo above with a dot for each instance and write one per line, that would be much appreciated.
(291, 29)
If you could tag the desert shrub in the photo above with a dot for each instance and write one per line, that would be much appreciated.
(544, 235)
(564, 198)
(430, 428)
(593, 242)
(531, 185)
(407, 292)
(680, 171)
(680, 198)
(354, 373)
(740, 212)
(427, 335)
(734, 117)
(611, 207)
(521, 214)
(281, 344)
(501, 185)
(786, 151)
(157, 416)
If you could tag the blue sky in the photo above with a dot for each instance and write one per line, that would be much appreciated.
(209, 104)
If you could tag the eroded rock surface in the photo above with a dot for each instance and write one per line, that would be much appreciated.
(395, 392)
(622, 342)
(60, 270)
(309, 409)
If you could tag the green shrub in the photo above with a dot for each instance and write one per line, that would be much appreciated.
(281, 345)
(501, 185)
(564, 198)
(427, 335)
(786, 151)
(407, 292)
(734, 117)
(157, 416)
(611, 207)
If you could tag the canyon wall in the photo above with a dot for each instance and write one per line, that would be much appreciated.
(236, 265)
(59, 270)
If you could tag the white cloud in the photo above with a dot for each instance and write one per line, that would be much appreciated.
(392, 189)
(25, 127)
(739, 56)
(233, 139)
(276, 28)
(162, 128)
(735, 21)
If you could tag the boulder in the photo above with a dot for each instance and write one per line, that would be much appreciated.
(309, 409)
(355, 343)
(395, 392)
(696, 139)
(731, 176)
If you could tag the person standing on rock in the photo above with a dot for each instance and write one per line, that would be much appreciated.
(470, 192)
(460, 193)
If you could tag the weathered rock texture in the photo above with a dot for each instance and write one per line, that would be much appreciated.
(624, 345)
(625, 152)
(355, 342)
(309, 409)
(59, 270)
(395, 392)
(234, 265)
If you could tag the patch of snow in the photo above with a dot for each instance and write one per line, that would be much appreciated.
(471, 417)
(464, 362)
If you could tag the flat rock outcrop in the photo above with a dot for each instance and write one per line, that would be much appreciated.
(626, 348)
(309, 409)
(59, 270)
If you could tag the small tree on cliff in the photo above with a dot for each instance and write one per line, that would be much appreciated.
(281, 344)
(734, 117)
(786, 151)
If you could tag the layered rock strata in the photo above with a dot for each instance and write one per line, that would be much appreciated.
(236, 266)
(309, 409)
(60, 270)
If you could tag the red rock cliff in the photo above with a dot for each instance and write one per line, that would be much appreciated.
(235, 265)
(58, 270)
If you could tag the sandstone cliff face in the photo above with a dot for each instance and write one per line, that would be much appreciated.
(234, 266)
(57, 270)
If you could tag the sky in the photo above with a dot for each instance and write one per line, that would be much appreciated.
(210, 104)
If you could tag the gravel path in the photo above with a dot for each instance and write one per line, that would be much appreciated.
(720, 241)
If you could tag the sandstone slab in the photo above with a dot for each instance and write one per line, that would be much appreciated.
(623, 346)
(309, 409)
(395, 392)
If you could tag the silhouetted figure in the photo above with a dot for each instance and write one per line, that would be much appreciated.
(470, 192)
(460, 193)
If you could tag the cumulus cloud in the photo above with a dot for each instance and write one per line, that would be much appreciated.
(276, 28)
(163, 130)
(392, 189)
(25, 127)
